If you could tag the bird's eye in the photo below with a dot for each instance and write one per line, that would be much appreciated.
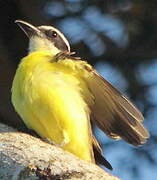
(51, 34)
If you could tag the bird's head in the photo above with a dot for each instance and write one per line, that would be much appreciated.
(44, 38)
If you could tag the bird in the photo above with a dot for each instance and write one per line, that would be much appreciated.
(59, 96)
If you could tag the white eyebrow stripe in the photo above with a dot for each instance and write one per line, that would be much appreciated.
(58, 32)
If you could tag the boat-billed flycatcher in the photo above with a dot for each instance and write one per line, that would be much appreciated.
(57, 95)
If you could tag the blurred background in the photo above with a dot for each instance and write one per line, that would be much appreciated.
(119, 38)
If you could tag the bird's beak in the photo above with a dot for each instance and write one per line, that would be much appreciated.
(28, 29)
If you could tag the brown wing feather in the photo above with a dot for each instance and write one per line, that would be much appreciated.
(113, 112)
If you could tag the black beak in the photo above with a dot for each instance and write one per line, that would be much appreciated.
(28, 29)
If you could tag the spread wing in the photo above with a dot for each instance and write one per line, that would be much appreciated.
(113, 112)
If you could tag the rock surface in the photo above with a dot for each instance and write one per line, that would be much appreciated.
(24, 157)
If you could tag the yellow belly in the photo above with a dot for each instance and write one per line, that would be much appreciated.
(48, 99)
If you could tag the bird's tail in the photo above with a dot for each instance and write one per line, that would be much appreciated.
(99, 159)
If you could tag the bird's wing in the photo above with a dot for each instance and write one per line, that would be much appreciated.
(113, 112)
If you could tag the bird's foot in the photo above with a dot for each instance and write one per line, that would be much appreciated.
(63, 143)
(65, 55)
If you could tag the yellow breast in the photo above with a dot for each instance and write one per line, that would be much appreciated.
(47, 96)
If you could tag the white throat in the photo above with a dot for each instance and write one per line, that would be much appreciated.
(39, 44)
